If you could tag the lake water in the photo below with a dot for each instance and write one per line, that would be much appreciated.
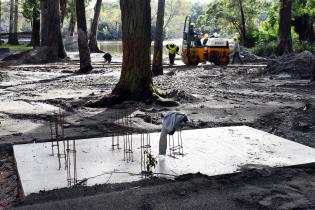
(115, 47)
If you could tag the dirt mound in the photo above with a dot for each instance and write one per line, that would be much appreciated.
(250, 57)
(181, 96)
(36, 56)
(297, 66)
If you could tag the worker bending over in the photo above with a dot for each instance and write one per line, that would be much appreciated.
(172, 51)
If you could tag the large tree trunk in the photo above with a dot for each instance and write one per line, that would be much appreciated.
(93, 40)
(51, 30)
(35, 28)
(43, 22)
(303, 26)
(11, 23)
(284, 36)
(157, 67)
(243, 28)
(136, 76)
(84, 51)
(63, 7)
(73, 20)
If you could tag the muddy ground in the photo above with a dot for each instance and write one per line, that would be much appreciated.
(210, 95)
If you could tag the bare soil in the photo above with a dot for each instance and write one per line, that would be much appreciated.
(210, 95)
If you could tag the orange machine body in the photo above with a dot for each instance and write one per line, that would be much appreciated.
(215, 51)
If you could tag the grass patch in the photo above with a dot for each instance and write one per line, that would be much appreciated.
(17, 48)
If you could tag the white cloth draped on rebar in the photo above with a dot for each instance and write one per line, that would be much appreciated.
(172, 121)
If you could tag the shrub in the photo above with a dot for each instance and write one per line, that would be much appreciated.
(302, 46)
(264, 49)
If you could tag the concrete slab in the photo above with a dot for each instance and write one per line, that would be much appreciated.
(211, 151)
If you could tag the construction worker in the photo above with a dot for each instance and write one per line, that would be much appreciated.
(172, 51)
(192, 33)
(192, 29)
(236, 54)
(205, 39)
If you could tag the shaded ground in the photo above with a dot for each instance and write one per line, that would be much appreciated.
(210, 95)
(264, 188)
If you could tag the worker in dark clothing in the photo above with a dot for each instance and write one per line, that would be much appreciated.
(192, 29)
(107, 57)
(193, 35)
(173, 50)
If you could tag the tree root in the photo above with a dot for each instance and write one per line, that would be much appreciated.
(85, 69)
(111, 100)
(166, 102)
(106, 101)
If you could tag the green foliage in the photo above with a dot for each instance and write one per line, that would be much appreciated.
(267, 46)
(70, 8)
(151, 163)
(301, 7)
(225, 16)
(301, 46)
(109, 27)
(197, 12)
(109, 30)
(31, 10)
(264, 48)
(175, 13)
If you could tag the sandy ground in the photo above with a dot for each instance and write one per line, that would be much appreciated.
(210, 95)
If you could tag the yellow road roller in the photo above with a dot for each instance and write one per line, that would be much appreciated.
(216, 50)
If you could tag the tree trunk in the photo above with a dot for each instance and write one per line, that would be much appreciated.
(73, 20)
(284, 36)
(16, 22)
(157, 67)
(43, 27)
(35, 29)
(136, 76)
(63, 7)
(51, 30)
(84, 51)
(61, 48)
(303, 26)
(243, 28)
(0, 21)
(11, 23)
(93, 39)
